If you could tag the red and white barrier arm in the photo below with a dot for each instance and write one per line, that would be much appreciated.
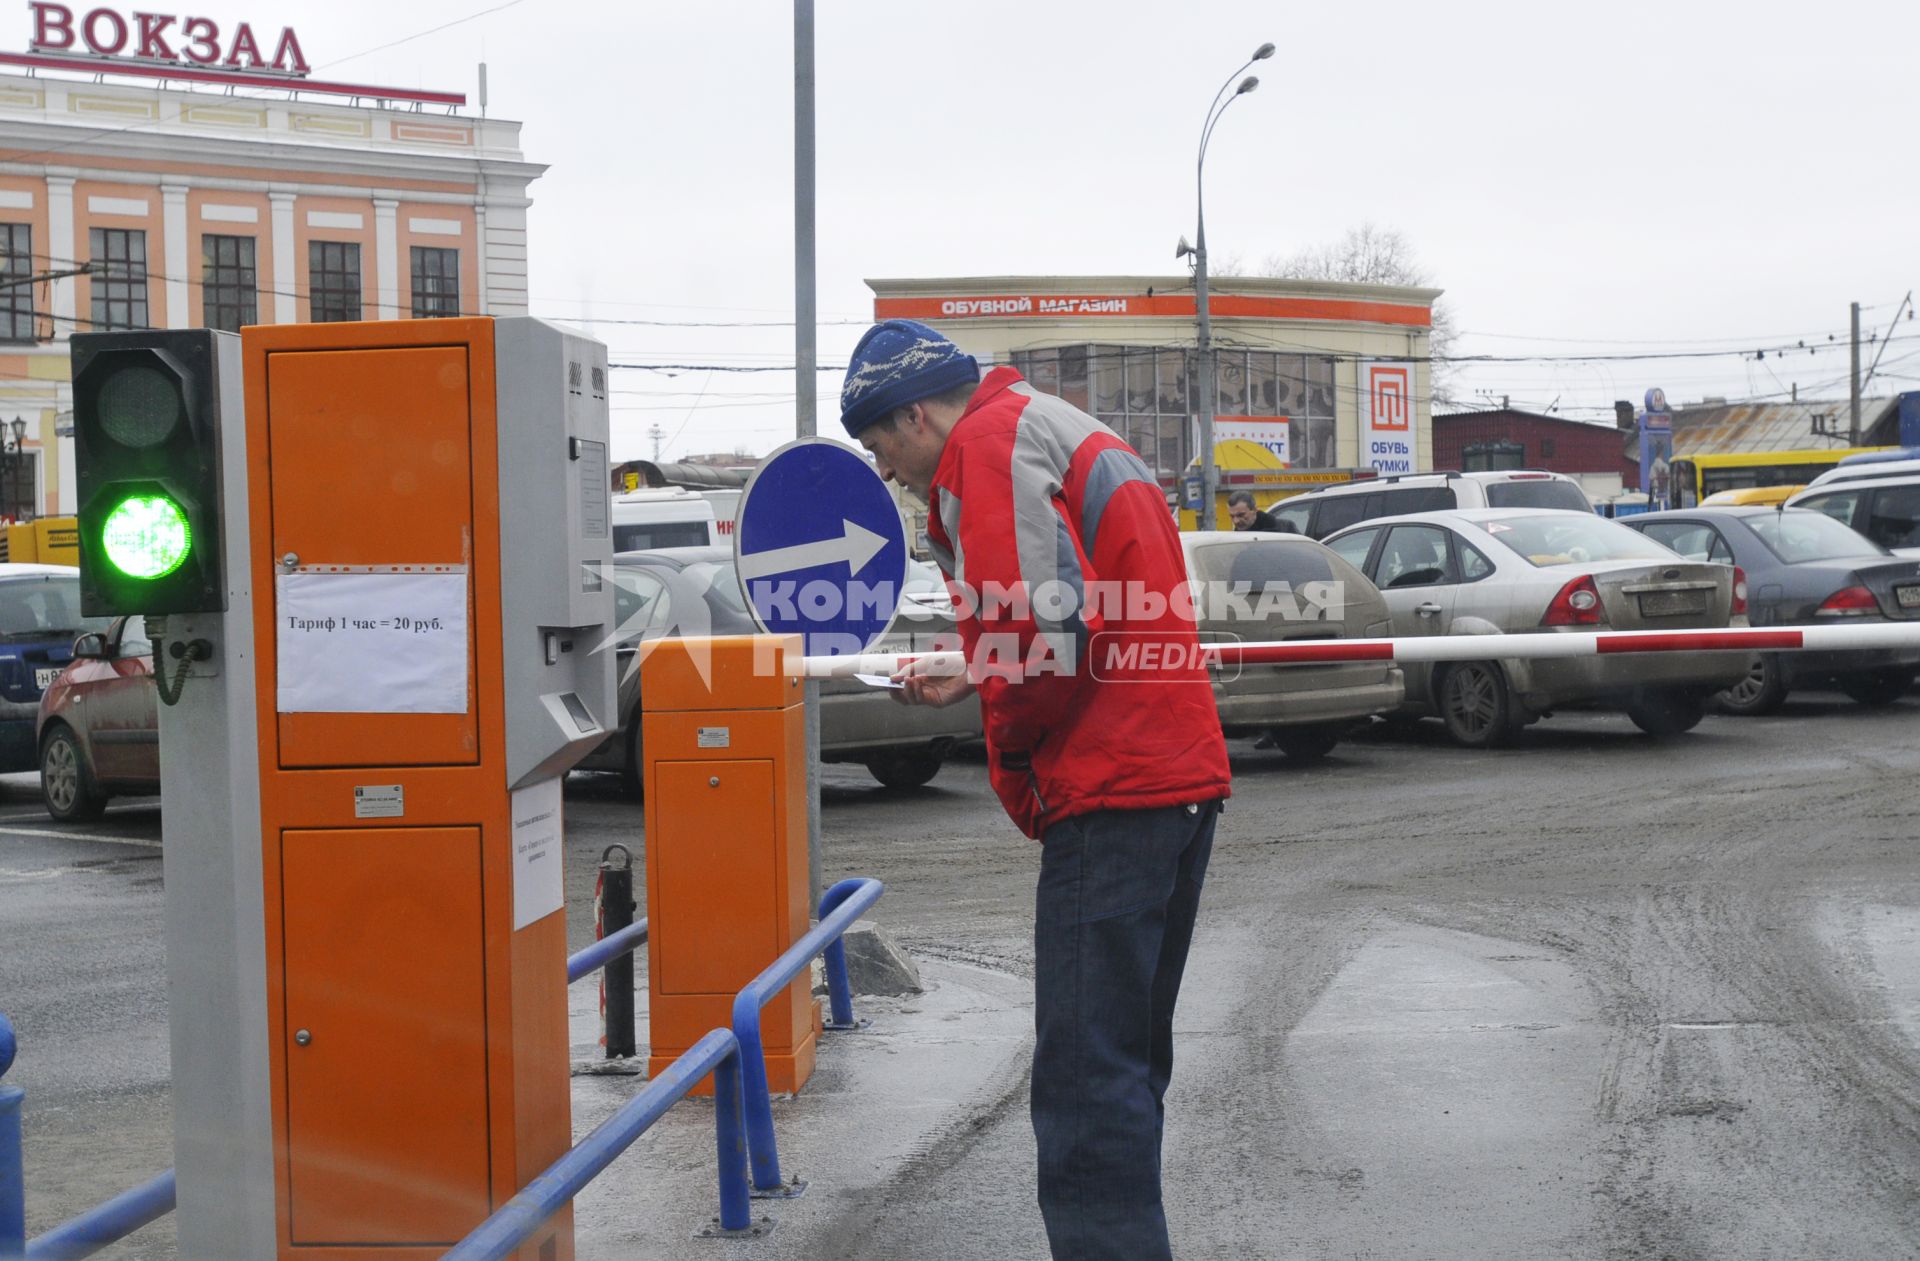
(1461, 647)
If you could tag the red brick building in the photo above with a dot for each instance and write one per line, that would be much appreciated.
(1507, 438)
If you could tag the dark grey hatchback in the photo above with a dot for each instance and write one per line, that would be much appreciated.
(1803, 569)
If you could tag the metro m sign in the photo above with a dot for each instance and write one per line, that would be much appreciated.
(160, 39)
(1388, 432)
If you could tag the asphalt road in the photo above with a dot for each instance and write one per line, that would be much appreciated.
(1594, 996)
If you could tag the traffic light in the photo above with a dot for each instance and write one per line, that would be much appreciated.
(146, 442)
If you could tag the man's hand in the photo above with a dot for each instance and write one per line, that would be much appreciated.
(938, 690)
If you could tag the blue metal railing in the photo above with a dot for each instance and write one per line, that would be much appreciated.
(13, 1179)
(97, 1227)
(85, 1234)
(840, 906)
(717, 1053)
(606, 950)
(743, 1113)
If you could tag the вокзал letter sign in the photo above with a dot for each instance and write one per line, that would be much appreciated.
(160, 39)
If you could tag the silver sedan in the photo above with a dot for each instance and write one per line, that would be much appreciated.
(1505, 571)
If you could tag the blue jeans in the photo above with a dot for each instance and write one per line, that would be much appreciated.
(1113, 918)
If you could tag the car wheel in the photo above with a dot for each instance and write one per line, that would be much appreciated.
(1878, 687)
(1303, 744)
(1761, 692)
(66, 781)
(1667, 713)
(633, 776)
(1476, 705)
(908, 769)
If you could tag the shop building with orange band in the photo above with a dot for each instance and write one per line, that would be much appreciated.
(1318, 375)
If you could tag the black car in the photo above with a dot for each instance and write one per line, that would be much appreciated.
(1803, 569)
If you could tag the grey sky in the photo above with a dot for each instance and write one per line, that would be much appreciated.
(1681, 177)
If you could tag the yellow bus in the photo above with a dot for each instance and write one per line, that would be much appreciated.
(1691, 478)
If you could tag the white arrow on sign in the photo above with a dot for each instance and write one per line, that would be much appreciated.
(856, 546)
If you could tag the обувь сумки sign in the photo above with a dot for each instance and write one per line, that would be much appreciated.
(196, 49)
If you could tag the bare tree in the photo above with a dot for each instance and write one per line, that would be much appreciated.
(1376, 256)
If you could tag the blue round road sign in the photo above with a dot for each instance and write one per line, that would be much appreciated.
(820, 548)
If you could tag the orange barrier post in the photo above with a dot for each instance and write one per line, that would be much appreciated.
(725, 778)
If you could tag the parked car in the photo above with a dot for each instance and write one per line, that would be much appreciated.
(98, 728)
(1506, 571)
(39, 617)
(1803, 569)
(1880, 500)
(1256, 587)
(1319, 513)
(697, 590)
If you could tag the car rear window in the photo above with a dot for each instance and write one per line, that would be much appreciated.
(44, 608)
(1796, 535)
(1572, 540)
(1547, 492)
(1261, 564)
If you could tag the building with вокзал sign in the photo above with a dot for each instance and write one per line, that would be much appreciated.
(177, 171)
(1316, 379)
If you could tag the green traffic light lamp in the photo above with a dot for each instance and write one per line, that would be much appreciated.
(146, 536)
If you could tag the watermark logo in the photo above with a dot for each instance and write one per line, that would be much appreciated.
(1155, 656)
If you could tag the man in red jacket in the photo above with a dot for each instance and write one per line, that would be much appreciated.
(1102, 740)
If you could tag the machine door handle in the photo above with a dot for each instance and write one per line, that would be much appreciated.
(1427, 610)
(302, 1038)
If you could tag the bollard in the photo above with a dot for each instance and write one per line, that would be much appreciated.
(13, 1174)
(616, 981)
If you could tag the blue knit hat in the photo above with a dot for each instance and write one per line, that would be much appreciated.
(896, 363)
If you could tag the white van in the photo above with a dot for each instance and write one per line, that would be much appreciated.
(662, 516)
(726, 505)
(1318, 513)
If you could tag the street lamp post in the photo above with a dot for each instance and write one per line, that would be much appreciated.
(1207, 517)
(10, 453)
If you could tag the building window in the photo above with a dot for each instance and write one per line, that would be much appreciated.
(1143, 394)
(230, 294)
(119, 272)
(16, 275)
(1486, 457)
(436, 282)
(333, 281)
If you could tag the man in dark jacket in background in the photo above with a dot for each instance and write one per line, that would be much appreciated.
(1245, 516)
(1056, 542)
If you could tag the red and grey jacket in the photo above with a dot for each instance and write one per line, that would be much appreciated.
(1072, 597)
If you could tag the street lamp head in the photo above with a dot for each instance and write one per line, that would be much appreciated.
(1263, 52)
(1247, 85)
(19, 428)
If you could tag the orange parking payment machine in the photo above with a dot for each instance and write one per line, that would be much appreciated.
(419, 543)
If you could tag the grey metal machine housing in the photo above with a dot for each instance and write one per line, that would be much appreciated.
(556, 546)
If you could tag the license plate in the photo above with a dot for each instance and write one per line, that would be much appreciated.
(1672, 603)
(44, 676)
(1908, 596)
